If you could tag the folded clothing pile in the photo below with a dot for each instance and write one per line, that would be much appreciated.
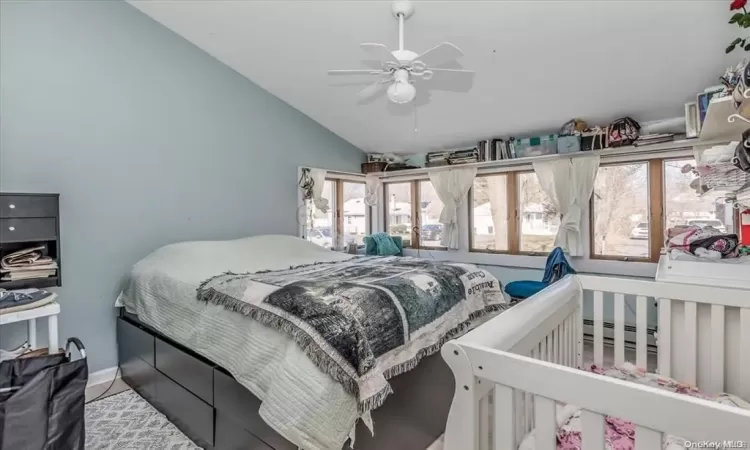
(705, 242)
(23, 299)
(27, 264)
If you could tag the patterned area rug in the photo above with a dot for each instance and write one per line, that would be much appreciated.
(127, 421)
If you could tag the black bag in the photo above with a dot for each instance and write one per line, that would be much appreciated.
(42, 401)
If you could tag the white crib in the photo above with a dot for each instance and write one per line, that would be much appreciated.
(525, 360)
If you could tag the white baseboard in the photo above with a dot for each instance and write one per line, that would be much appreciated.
(102, 376)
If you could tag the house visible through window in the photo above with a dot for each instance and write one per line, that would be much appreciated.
(399, 210)
(539, 218)
(354, 213)
(489, 213)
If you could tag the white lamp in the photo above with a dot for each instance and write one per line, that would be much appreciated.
(401, 91)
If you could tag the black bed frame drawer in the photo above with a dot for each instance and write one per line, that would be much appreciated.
(234, 400)
(232, 436)
(133, 341)
(28, 206)
(192, 373)
(190, 414)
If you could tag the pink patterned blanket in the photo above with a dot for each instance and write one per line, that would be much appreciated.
(620, 434)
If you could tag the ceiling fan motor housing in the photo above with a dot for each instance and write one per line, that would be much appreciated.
(404, 8)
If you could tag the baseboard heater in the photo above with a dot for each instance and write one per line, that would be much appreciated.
(609, 335)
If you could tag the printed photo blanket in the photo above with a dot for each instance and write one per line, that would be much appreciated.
(367, 319)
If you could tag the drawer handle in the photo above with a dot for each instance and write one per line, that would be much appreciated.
(12, 228)
(12, 206)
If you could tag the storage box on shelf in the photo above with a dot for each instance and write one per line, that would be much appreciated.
(724, 121)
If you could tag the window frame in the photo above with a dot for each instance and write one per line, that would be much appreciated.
(416, 212)
(511, 199)
(651, 218)
(336, 205)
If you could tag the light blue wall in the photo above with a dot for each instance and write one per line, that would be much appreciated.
(149, 141)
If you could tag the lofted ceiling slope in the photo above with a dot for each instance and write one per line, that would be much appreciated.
(537, 63)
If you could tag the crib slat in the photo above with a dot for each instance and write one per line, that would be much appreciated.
(543, 352)
(744, 353)
(504, 429)
(528, 401)
(690, 345)
(647, 439)
(641, 323)
(579, 334)
(619, 329)
(520, 417)
(555, 343)
(716, 368)
(592, 430)
(564, 342)
(484, 423)
(664, 344)
(546, 426)
(598, 329)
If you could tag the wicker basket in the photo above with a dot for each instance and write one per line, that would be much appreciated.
(370, 167)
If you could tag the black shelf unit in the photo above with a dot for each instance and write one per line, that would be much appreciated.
(29, 220)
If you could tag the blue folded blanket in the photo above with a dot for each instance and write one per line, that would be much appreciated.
(384, 245)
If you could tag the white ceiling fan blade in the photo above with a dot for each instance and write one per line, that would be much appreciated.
(441, 54)
(380, 51)
(450, 70)
(354, 72)
(372, 89)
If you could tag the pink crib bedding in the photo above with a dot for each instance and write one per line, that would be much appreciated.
(620, 434)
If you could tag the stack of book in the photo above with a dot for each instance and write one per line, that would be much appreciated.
(495, 150)
(463, 156)
(27, 264)
(648, 139)
(436, 159)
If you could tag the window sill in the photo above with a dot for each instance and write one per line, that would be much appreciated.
(582, 265)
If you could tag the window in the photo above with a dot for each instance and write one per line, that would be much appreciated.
(538, 217)
(354, 213)
(621, 212)
(399, 210)
(319, 224)
(430, 207)
(489, 214)
(683, 206)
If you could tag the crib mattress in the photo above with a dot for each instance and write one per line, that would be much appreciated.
(620, 434)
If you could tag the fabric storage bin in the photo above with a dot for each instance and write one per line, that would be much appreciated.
(568, 144)
(536, 146)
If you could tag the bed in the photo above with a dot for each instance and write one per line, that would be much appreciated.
(519, 382)
(252, 385)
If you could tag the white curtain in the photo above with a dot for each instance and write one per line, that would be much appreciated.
(569, 184)
(319, 178)
(451, 187)
(372, 185)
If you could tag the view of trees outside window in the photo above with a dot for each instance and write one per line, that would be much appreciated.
(683, 206)
(431, 230)
(490, 213)
(539, 218)
(355, 217)
(319, 224)
(621, 211)
(399, 211)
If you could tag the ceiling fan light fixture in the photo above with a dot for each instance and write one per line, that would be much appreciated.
(401, 92)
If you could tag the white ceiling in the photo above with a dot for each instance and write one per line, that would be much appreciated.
(538, 63)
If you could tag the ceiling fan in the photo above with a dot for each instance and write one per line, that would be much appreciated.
(400, 69)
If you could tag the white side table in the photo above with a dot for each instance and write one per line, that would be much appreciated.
(50, 311)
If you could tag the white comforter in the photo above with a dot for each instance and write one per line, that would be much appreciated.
(292, 389)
